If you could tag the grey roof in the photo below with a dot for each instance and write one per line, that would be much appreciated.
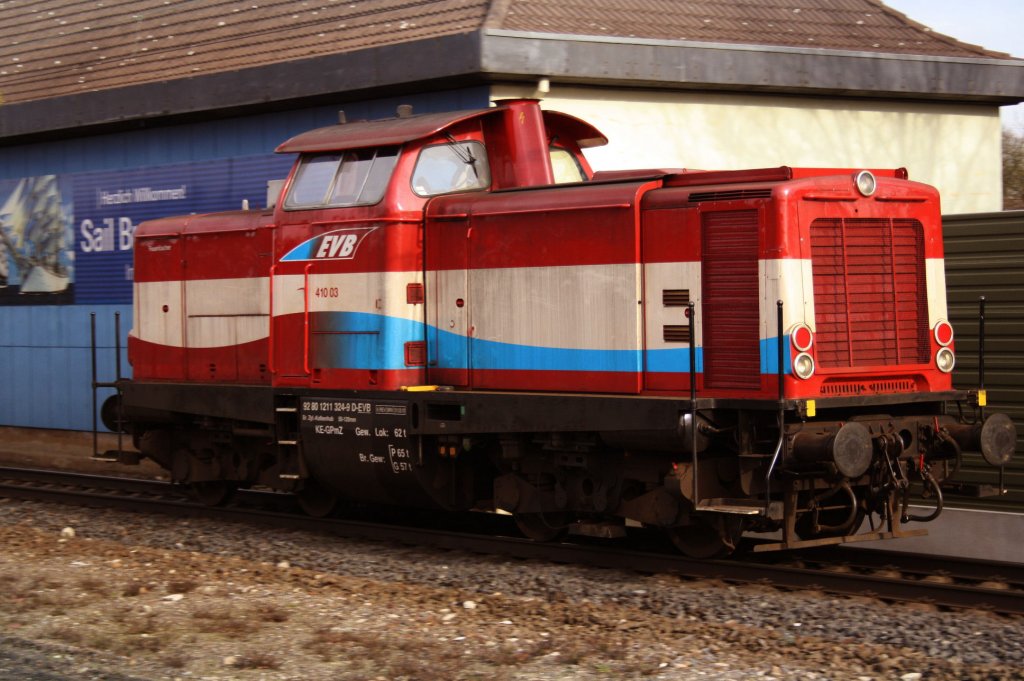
(67, 64)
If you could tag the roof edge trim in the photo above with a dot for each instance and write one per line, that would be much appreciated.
(597, 60)
(336, 78)
(743, 47)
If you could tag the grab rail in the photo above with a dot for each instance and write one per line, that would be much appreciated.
(270, 328)
(693, 400)
(782, 413)
(305, 319)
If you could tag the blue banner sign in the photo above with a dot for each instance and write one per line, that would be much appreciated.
(68, 238)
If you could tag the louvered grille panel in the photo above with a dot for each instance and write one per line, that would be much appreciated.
(731, 195)
(870, 293)
(732, 357)
(675, 297)
(676, 333)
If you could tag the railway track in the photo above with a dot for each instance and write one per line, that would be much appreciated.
(889, 576)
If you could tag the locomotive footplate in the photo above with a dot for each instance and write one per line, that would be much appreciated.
(828, 541)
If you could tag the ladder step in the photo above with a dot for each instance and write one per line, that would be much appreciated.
(290, 443)
(601, 530)
(735, 506)
(112, 455)
(288, 476)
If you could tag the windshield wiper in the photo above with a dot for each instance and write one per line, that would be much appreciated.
(463, 153)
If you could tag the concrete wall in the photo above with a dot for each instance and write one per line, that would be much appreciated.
(955, 147)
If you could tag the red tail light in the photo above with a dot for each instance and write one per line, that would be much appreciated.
(801, 337)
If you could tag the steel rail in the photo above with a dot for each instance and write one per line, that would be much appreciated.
(920, 565)
(992, 586)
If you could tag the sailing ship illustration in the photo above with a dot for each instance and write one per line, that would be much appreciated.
(34, 226)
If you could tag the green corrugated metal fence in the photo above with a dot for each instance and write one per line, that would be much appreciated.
(985, 257)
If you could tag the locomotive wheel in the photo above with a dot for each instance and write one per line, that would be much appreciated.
(214, 492)
(542, 527)
(316, 501)
(704, 538)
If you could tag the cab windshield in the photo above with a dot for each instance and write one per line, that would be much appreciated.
(451, 167)
(357, 177)
(565, 167)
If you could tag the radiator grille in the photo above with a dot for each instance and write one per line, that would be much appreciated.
(854, 388)
(870, 292)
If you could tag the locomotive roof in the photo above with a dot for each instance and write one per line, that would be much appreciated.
(395, 131)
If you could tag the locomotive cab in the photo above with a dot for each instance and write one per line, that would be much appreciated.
(348, 275)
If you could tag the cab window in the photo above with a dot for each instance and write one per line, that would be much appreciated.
(565, 166)
(350, 178)
(452, 167)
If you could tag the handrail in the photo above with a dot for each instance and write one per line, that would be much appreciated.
(305, 318)
(690, 313)
(981, 350)
(270, 328)
(782, 416)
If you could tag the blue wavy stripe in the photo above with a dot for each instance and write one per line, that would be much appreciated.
(359, 340)
(770, 355)
(506, 356)
(303, 251)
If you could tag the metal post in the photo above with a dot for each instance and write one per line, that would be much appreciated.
(117, 365)
(981, 380)
(117, 343)
(691, 314)
(92, 347)
(782, 413)
(981, 343)
(781, 367)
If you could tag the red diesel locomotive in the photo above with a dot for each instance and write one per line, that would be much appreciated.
(453, 310)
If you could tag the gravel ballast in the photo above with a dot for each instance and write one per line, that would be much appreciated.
(118, 595)
(101, 594)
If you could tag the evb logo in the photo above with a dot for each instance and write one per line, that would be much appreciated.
(338, 244)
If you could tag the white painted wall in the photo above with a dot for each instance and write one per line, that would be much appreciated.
(955, 147)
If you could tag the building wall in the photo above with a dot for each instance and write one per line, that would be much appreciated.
(44, 345)
(100, 187)
(957, 148)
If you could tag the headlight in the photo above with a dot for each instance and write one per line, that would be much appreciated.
(803, 366)
(944, 360)
(943, 333)
(866, 183)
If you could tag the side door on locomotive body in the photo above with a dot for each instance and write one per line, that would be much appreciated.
(343, 251)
